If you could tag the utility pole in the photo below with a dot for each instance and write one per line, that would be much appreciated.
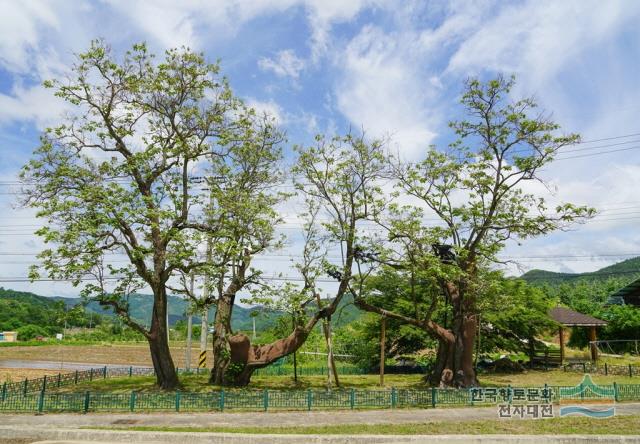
(295, 360)
(253, 338)
(383, 332)
(204, 322)
(187, 355)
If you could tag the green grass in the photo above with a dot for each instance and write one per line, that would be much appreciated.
(619, 425)
(198, 383)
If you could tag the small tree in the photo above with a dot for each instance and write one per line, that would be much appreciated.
(113, 180)
(476, 192)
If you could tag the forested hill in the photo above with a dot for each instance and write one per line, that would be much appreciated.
(22, 308)
(585, 292)
(623, 272)
(18, 308)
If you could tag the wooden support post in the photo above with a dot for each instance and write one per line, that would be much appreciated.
(592, 338)
(561, 334)
(383, 332)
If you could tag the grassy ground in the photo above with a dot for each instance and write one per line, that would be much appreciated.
(619, 425)
(198, 383)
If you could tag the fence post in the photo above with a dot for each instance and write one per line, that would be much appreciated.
(630, 371)
(584, 368)
(75, 379)
(393, 397)
(615, 392)
(265, 399)
(606, 369)
(44, 383)
(434, 397)
(59, 376)
(86, 401)
(130, 371)
(352, 398)
(24, 390)
(91, 374)
(546, 390)
(309, 399)
(4, 391)
(132, 401)
(177, 400)
(222, 400)
(41, 402)
(105, 372)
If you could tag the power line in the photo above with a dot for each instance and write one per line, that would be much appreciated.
(608, 138)
(597, 154)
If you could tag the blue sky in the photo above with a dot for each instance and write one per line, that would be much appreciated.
(390, 67)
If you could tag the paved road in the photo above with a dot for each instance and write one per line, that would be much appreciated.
(67, 428)
(260, 419)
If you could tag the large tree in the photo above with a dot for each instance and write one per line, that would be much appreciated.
(113, 181)
(339, 179)
(469, 201)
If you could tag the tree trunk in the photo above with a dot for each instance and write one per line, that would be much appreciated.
(331, 363)
(454, 360)
(221, 344)
(166, 376)
(244, 358)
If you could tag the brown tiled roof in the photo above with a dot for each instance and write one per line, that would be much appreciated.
(570, 318)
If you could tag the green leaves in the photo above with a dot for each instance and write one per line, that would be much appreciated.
(114, 180)
(478, 187)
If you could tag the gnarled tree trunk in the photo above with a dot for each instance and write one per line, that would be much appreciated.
(235, 358)
(244, 358)
(454, 359)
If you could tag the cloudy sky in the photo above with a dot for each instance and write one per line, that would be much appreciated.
(390, 67)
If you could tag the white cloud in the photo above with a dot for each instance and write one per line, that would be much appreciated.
(269, 108)
(381, 88)
(538, 38)
(35, 104)
(19, 31)
(285, 64)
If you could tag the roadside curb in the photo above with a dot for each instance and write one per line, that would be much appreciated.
(61, 436)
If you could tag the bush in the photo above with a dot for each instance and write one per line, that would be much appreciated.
(30, 331)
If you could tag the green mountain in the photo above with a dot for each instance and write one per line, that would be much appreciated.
(18, 308)
(625, 271)
(140, 306)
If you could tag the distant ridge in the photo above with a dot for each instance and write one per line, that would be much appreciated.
(628, 268)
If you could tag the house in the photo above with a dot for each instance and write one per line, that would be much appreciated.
(8, 336)
(629, 295)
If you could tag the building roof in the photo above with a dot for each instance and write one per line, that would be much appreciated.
(627, 294)
(570, 318)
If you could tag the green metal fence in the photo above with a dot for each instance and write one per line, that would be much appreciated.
(263, 400)
(79, 376)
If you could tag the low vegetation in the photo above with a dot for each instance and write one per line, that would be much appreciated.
(197, 383)
(620, 425)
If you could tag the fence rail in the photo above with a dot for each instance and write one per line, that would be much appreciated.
(603, 369)
(263, 400)
(79, 376)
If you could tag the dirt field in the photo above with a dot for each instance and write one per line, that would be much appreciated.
(125, 354)
(19, 374)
